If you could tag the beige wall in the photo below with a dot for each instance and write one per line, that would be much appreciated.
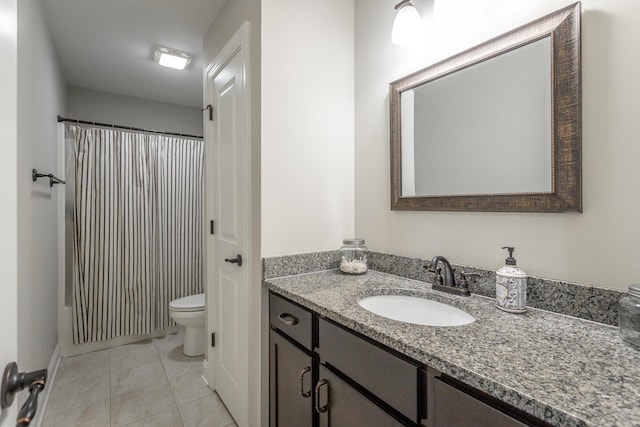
(307, 125)
(41, 98)
(93, 105)
(600, 246)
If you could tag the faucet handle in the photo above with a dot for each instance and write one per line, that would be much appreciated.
(429, 267)
(465, 276)
(439, 279)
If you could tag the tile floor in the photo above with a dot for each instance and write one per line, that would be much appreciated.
(149, 383)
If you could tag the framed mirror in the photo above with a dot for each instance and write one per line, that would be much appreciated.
(496, 128)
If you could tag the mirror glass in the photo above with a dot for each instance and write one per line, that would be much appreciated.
(491, 121)
(495, 128)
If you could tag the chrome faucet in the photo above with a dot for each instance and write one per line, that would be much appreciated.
(448, 284)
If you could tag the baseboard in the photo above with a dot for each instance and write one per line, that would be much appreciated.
(43, 399)
(205, 372)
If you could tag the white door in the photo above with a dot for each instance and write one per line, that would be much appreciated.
(8, 189)
(228, 269)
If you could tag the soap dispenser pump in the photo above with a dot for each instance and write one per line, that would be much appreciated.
(511, 286)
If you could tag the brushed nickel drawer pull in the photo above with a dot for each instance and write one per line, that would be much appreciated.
(288, 319)
(323, 409)
(303, 393)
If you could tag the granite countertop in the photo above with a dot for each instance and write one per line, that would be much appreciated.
(564, 370)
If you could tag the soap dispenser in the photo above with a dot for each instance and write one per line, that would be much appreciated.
(511, 286)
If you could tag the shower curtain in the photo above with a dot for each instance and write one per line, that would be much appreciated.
(138, 229)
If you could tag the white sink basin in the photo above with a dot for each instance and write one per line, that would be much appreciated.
(419, 311)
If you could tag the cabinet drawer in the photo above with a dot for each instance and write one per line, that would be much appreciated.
(454, 408)
(391, 379)
(291, 319)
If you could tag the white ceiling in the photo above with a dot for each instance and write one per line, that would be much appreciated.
(108, 45)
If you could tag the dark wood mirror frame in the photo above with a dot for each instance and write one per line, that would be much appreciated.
(563, 28)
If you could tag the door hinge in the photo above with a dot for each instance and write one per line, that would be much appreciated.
(212, 227)
(213, 339)
(210, 108)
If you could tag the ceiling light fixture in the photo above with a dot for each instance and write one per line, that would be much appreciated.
(406, 25)
(171, 58)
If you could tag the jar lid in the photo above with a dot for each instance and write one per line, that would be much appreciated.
(353, 241)
(634, 290)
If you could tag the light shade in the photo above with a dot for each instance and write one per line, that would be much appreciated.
(406, 26)
(171, 58)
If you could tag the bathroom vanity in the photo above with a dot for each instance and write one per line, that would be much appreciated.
(348, 379)
(333, 363)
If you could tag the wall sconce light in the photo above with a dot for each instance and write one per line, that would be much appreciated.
(171, 58)
(406, 25)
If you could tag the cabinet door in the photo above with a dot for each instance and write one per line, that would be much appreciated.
(340, 405)
(290, 383)
(389, 378)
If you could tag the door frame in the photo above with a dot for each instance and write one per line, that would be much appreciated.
(9, 195)
(238, 44)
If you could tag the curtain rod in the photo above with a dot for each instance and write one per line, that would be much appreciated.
(109, 125)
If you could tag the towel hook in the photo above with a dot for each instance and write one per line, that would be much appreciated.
(52, 178)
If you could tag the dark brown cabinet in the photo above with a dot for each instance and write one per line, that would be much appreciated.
(454, 408)
(340, 405)
(291, 383)
(322, 375)
(292, 320)
(325, 375)
(390, 378)
(291, 364)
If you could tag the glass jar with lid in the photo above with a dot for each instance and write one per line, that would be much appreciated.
(353, 256)
(629, 316)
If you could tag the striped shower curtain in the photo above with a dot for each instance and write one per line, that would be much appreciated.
(138, 229)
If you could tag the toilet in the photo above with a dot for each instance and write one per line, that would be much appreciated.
(189, 312)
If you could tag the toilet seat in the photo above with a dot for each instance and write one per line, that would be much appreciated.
(188, 303)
